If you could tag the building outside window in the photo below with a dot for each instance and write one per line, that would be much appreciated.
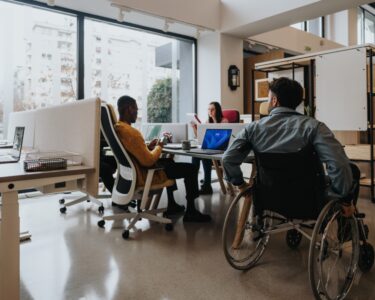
(366, 26)
(38, 61)
(155, 70)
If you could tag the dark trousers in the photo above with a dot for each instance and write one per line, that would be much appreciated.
(107, 167)
(188, 172)
(207, 168)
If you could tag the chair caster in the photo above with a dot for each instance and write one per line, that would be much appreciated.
(125, 234)
(293, 238)
(101, 223)
(88, 200)
(63, 210)
(101, 210)
(169, 227)
(62, 201)
(366, 257)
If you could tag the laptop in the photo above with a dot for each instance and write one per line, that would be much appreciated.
(14, 154)
(215, 141)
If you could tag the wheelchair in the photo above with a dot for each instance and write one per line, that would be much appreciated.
(288, 194)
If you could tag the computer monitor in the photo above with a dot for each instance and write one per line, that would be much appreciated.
(179, 131)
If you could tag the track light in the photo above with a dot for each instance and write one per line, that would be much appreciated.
(51, 2)
(120, 16)
(166, 26)
(198, 33)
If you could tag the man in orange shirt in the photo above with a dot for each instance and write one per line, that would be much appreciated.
(148, 156)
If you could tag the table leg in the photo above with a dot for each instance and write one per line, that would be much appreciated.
(219, 173)
(10, 247)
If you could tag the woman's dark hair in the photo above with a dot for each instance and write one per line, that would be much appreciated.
(289, 92)
(218, 112)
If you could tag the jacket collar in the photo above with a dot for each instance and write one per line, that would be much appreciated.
(281, 110)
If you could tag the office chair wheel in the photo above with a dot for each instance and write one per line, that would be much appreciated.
(62, 201)
(63, 210)
(244, 234)
(125, 234)
(101, 209)
(333, 254)
(101, 223)
(366, 257)
(169, 227)
(88, 200)
(293, 238)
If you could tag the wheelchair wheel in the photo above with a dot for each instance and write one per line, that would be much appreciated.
(334, 253)
(244, 237)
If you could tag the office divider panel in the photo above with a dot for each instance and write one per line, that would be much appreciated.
(341, 96)
(73, 127)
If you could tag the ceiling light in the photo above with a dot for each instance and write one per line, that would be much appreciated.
(51, 2)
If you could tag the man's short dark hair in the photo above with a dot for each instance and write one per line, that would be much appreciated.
(123, 103)
(289, 92)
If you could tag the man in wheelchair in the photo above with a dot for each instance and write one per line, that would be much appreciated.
(291, 184)
(287, 131)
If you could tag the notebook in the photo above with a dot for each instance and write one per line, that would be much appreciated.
(215, 141)
(14, 154)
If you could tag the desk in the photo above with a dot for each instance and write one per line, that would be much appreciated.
(215, 158)
(12, 179)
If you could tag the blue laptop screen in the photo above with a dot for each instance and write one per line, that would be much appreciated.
(216, 139)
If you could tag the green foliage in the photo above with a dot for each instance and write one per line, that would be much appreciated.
(159, 102)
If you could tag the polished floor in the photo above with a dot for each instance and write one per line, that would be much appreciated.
(69, 257)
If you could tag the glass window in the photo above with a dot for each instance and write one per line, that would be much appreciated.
(155, 70)
(300, 25)
(369, 20)
(38, 60)
(315, 26)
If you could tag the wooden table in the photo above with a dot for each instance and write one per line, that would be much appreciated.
(12, 179)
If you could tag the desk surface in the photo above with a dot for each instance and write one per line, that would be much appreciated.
(15, 171)
(249, 158)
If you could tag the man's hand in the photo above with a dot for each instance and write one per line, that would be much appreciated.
(348, 209)
(152, 144)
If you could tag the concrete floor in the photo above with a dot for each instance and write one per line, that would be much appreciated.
(69, 257)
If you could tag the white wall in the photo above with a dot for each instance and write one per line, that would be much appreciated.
(295, 40)
(237, 13)
(243, 18)
(205, 13)
(216, 52)
(208, 72)
(231, 54)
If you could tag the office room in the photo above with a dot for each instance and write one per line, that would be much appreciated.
(171, 149)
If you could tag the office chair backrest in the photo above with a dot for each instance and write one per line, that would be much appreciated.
(232, 115)
(292, 184)
(126, 178)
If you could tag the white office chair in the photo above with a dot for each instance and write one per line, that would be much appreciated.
(125, 188)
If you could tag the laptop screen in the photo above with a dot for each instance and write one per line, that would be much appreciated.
(216, 139)
(17, 142)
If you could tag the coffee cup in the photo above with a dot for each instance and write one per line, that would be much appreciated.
(186, 145)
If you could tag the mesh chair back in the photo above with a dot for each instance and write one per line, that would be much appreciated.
(291, 184)
(125, 181)
(232, 115)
